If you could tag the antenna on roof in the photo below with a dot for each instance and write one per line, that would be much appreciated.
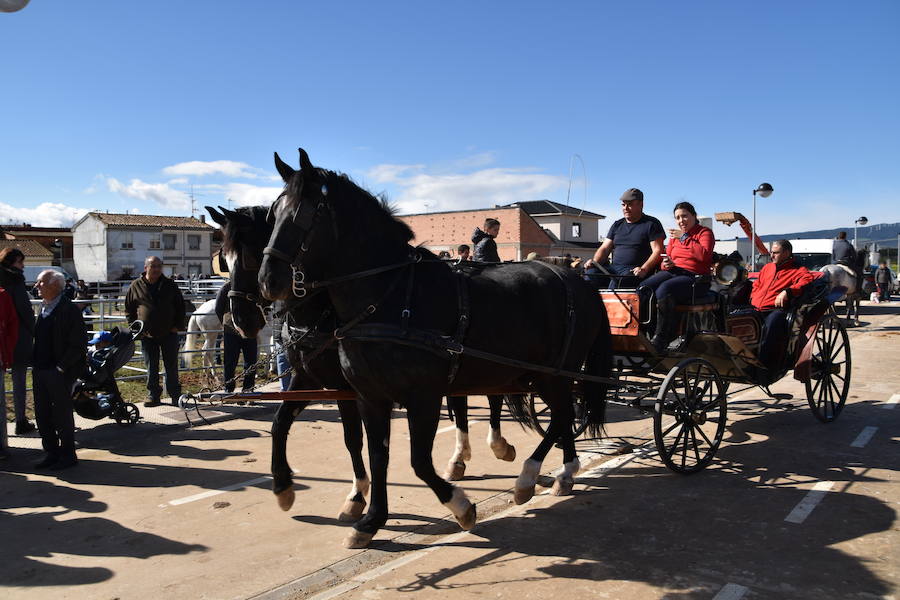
(192, 196)
(584, 176)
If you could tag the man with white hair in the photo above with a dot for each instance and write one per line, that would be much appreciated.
(60, 353)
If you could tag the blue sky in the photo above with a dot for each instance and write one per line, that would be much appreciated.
(121, 106)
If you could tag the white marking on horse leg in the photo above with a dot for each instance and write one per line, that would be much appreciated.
(462, 508)
(352, 510)
(565, 480)
(500, 447)
(526, 481)
(456, 467)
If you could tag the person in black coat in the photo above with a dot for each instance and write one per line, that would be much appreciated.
(12, 278)
(233, 345)
(485, 246)
(60, 356)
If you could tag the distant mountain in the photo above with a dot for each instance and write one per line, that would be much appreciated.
(883, 234)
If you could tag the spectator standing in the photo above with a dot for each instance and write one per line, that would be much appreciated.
(155, 299)
(279, 334)
(485, 246)
(883, 281)
(12, 278)
(233, 345)
(9, 335)
(60, 352)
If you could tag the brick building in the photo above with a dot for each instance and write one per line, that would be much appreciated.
(57, 240)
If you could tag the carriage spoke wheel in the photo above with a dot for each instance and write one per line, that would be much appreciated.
(829, 382)
(127, 414)
(689, 416)
(540, 413)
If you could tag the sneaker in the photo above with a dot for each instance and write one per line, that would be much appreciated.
(23, 427)
(48, 461)
(151, 403)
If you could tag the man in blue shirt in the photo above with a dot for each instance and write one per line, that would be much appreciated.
(635, 241)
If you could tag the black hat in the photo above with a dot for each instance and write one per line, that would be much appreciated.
(632, 194)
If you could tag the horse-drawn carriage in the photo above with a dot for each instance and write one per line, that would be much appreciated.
(385, 322)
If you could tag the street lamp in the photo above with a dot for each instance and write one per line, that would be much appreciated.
(859, 221)
(765, 190)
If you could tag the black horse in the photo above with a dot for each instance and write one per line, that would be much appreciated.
(414, 329)
(246, 232)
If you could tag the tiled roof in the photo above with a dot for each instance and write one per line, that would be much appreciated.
(29, 248)
(546, 207)
(154, 221)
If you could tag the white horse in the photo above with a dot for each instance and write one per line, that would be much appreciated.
(844, 277)
(205, 325)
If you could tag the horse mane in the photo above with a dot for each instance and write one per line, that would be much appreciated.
(377, 209)
(257, 214)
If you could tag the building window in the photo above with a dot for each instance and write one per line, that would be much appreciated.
(154, 242)
(127, 242)
(127, 271)
(168, 240)
(194, 270)
(576, 230)
(193, 242)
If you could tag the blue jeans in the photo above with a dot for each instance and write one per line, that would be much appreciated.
(151, 349)
(282, 365)
(677, 286)
(625, 279)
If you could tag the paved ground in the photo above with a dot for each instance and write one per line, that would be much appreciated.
(790, 508)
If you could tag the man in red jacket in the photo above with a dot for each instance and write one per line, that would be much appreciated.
(778, 282)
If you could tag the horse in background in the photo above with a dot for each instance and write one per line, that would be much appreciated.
(848, 278)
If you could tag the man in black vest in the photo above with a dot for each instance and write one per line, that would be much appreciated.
(60, 351)
(156, 300)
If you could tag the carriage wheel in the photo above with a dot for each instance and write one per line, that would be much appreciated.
(127, 414)
(829, 383)
(540, 413)
(689, 416)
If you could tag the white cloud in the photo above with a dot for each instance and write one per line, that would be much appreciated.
(421, 190)
(161, 193)
(240, 194)
(200, 168)
(46, 214)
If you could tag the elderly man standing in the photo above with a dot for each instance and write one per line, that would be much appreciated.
(60, 353)
(156, 300)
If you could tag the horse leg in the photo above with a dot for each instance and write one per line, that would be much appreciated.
(456, 468)
(355, 503)
(423, 417)
(282, 475)
(501, 448)
(377, 419)
(565, 479)
(561, 417)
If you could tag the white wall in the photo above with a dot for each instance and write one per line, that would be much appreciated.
(89, 249)
(561, 227)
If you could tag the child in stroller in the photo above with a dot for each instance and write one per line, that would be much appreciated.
(96, 395)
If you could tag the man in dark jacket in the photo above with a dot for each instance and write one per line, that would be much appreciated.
(60, 353)
(156, 300)
(883, 281)
(842, 251)
(233, 345)
(485, 246)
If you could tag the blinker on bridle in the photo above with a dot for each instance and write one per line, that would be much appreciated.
(305, 220)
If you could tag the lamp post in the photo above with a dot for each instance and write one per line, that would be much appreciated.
(765, 190)
(859, 221)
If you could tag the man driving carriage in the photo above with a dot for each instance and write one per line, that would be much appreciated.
(778, 282)
(636, 244)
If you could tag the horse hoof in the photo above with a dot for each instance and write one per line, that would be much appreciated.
(455, 471)
(504, 450)
(510, 453)
(285, 498)
(467, 521)
(562, 487)
(351, 512)
(358, 539)
(523, 495)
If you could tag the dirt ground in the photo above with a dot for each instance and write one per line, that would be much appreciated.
(790, 508)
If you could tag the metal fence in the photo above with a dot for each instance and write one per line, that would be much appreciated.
(106, 310)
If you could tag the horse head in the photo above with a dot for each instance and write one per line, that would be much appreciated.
(245, 234)
(299, 244)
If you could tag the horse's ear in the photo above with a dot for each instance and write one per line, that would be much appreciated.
(217, 217)
(284, 169)
(305, 164)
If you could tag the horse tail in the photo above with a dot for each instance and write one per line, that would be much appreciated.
(599, 363)
(520, 409)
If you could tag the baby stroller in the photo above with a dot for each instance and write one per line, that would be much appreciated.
(96, 395)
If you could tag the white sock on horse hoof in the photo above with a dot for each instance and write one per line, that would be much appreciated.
(358, 539)
(462, 508)
(352, 511)
(565, 480)
(285, 498)
(456, 470)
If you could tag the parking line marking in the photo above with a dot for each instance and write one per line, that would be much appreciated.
(731, 591)
(809, 502)
(864, 436)
(222, 490)
(892, 402)
(453, 427)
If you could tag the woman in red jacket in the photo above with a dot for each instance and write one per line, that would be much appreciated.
(9, 334)
(689, 254)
